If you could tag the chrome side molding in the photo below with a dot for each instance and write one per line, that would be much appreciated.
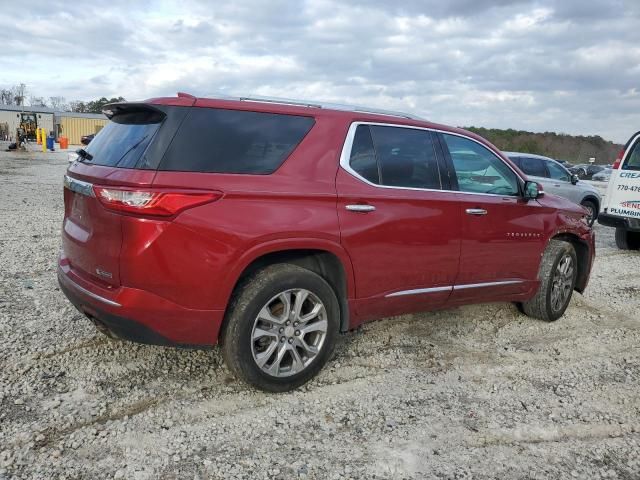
(449, 288)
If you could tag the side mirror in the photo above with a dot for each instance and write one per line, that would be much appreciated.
(532, 190)
(574, 179)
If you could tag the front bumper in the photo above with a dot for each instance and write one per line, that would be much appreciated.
(140, 316)
(630, 224)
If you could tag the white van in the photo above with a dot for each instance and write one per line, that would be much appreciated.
(622, 202)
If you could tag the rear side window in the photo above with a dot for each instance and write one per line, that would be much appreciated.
(632, 161)
(363, 155)
(406, 157)
(122, 142)
(533, 166)
(395, 157)
(234, 141)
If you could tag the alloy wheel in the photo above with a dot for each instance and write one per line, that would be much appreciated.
(289, 332)
(562, 282)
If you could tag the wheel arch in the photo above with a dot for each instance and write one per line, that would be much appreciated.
(592, 198)
(326, 260)
(584, 258)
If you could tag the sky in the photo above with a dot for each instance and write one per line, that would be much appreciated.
(570, 66)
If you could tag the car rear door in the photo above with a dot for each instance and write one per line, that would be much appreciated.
(400, 228)
(501, 233)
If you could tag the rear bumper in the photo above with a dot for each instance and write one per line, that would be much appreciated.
(630, 224)
(140, 316)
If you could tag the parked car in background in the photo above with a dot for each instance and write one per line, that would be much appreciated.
(585, 171)
(602, 176)
(622, 202)
(86, 139)
(565, 164)
(270, 226)
(558, 180)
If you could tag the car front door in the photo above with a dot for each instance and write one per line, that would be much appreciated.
(560, 183)
(399, 227)
(501, 232)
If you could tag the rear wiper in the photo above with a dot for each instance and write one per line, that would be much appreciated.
(82, 153)
(132, 147)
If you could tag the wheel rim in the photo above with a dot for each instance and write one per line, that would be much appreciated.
(562, 283)
(289, 332)
(591, 213)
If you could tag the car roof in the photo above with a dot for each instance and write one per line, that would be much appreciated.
(533, 155)
(352, 113)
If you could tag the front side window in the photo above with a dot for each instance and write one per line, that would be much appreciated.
(478, 170)
(533, 166)
(557, 172)
(395, 157)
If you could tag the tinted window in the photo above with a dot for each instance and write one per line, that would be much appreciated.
(533, 166)
(478, 170)
(632, 161)
(233, 141)
(406, 157)
(557, 172)
(363, 156)
(122, 141)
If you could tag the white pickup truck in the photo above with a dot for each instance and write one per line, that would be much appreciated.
(622, 202)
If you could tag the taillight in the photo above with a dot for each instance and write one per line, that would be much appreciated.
(151, 202)
(618, 161)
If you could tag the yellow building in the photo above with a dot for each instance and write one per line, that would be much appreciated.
(75, 125)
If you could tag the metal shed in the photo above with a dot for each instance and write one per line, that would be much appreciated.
(74, 125)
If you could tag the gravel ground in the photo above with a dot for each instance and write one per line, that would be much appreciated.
(476, 392)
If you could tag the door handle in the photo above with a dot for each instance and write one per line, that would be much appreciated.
(476, 211)
(360, 208)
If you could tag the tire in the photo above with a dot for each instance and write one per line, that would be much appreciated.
(547, 304)
(593, 208)
(626, 240)
(275, 339)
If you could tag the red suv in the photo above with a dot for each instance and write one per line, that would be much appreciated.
(269, 227)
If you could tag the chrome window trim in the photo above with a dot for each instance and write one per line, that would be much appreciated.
(78, 186)
(95, 296)
(464, 286)
(345, 156)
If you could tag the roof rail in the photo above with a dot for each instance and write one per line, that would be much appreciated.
(327, 105)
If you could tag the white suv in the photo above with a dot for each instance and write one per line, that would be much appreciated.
(557, 180)
(622, 202)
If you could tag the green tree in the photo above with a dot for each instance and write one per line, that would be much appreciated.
(96, 106)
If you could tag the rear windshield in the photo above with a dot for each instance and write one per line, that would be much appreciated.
(632, 162)
(234, 141)
(122, 141)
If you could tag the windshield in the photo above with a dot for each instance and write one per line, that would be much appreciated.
(121, 142)
(632, 162)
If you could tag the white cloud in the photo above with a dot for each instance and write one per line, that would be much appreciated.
(528, 64)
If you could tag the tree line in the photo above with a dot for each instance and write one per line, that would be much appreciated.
(561, 146)
(18, 95)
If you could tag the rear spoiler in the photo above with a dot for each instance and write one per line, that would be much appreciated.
(133, 112)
